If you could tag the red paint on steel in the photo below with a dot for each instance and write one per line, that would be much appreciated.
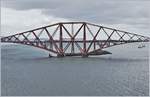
(75, 45)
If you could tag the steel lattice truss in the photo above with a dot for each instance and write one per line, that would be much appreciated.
(74, 38)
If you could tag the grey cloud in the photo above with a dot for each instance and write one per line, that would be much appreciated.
(103, 12)
(31, 4)
(131, 12)
(85, 9)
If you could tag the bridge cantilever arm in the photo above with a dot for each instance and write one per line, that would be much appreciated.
(57, 35)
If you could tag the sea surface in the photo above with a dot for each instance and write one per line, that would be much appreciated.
(27, 71)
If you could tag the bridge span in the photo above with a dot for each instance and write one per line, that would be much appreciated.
(74, 38)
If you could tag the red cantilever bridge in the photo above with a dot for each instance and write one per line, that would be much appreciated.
(74, 38)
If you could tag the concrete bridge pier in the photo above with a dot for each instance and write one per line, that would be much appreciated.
(64, 42)
(60, 55)
(85, 55)
(50, 56)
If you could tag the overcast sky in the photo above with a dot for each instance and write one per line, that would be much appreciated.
(128, 15)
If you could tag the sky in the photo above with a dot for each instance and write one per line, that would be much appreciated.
(127, 15)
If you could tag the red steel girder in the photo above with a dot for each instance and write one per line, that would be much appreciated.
(74, 44)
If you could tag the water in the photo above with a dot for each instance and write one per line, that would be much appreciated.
(28, 71)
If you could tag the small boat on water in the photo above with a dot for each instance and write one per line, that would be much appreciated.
(141, 46)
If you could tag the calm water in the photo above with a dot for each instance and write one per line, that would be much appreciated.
(28, 71)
